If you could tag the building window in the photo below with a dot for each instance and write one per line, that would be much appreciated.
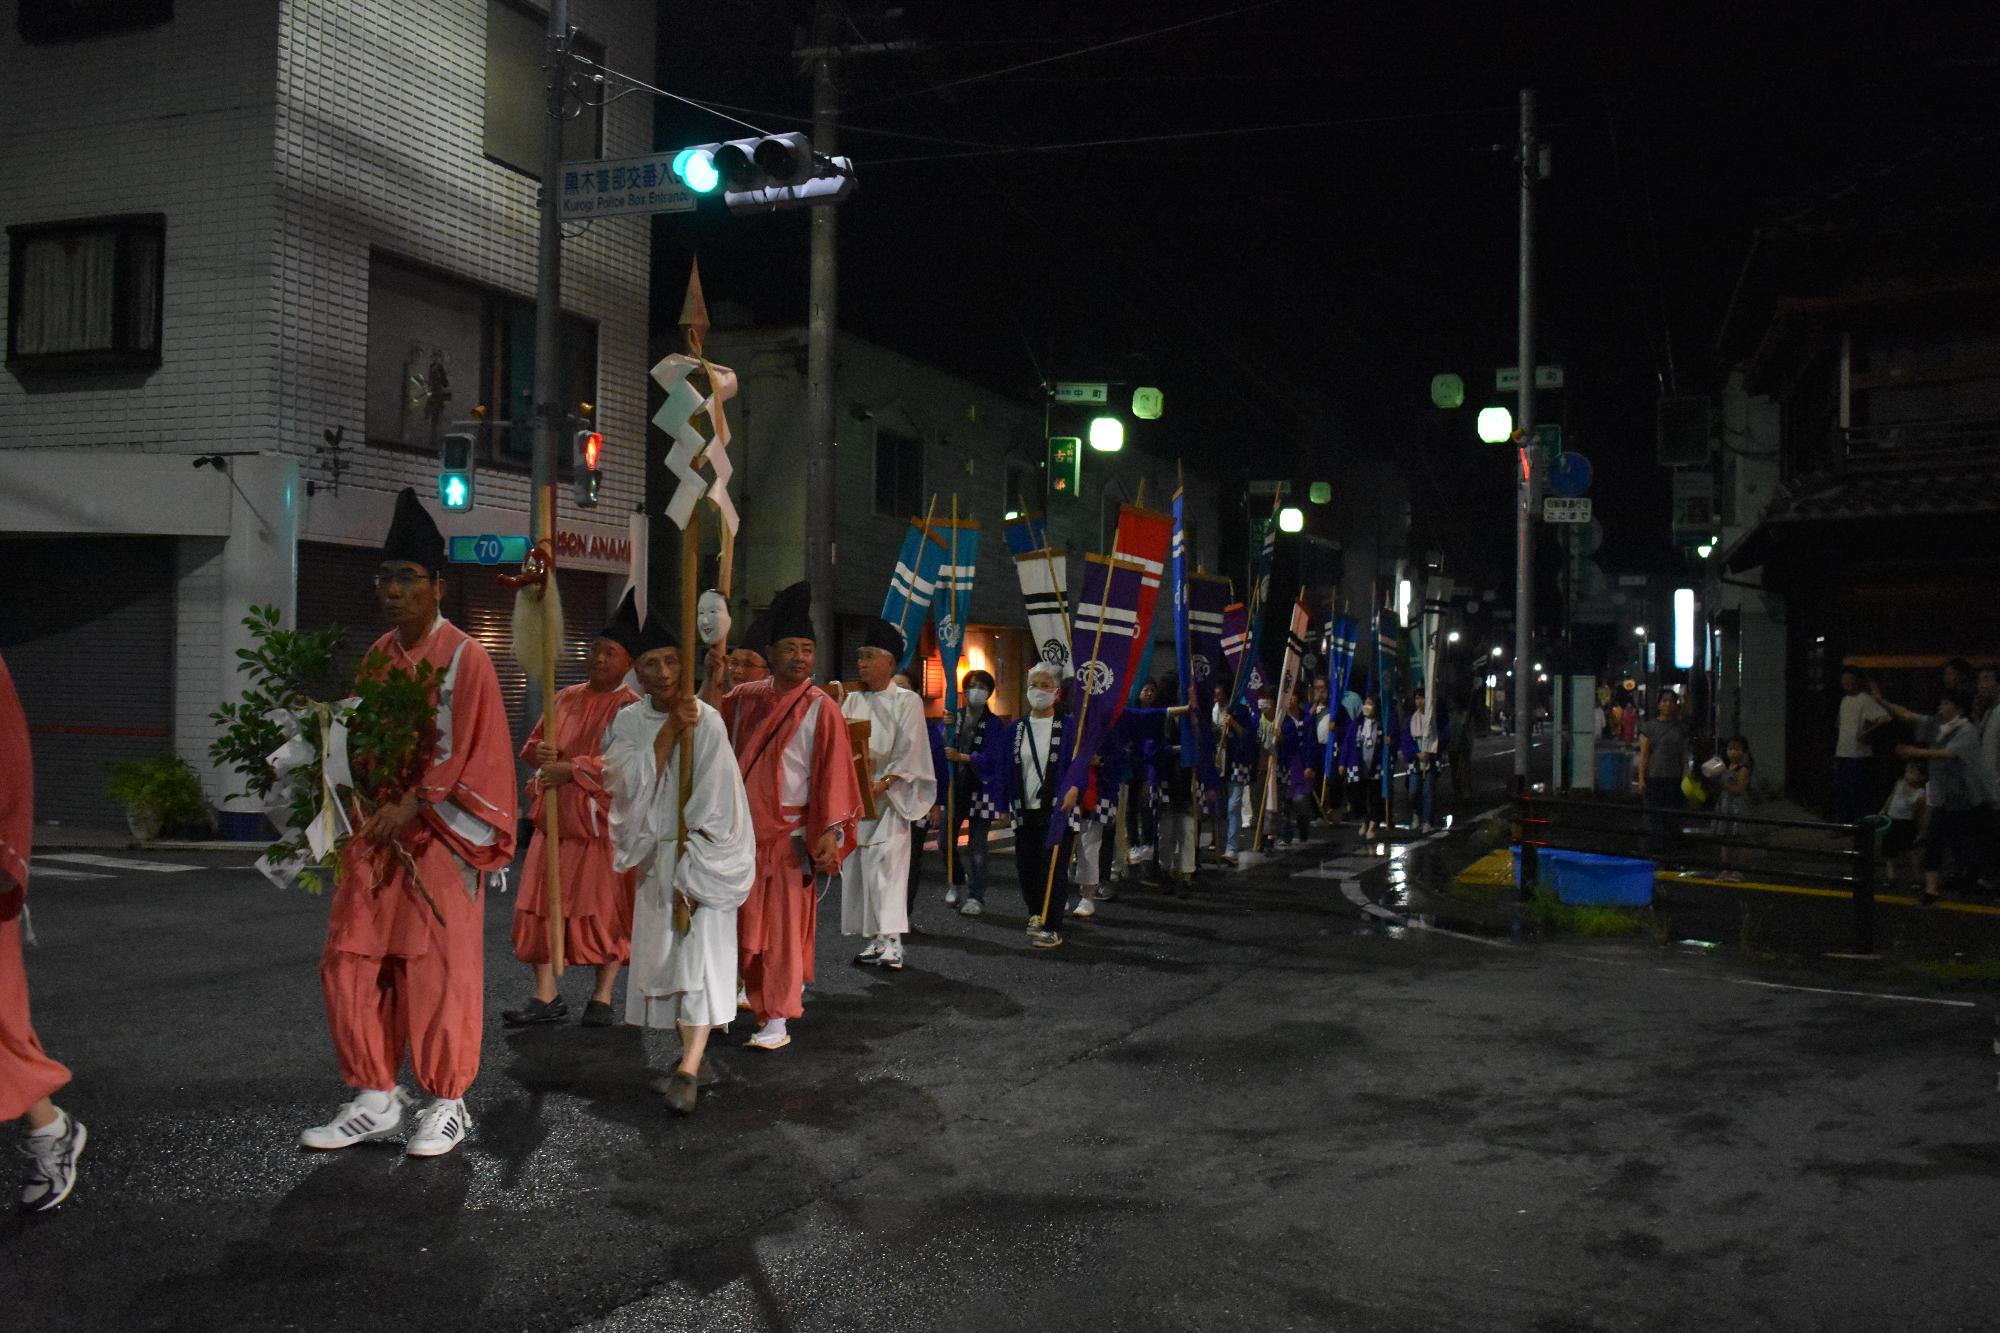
(899, 474)
(74, 20)
(1024, 487)
(517, 91)
(85, 295)
(439, 346)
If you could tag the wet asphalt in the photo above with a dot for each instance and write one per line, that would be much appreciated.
(1259, 1106)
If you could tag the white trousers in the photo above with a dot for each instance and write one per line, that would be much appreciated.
(875, 881)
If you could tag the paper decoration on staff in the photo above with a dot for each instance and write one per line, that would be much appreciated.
(691, 446)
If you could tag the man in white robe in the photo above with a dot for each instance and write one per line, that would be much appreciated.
(683, 973)
(874, 884)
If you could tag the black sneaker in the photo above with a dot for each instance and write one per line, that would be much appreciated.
(597, 1014)
(538, 1011)
(52, 1165)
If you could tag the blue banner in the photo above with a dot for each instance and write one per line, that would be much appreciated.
(1105, 628)
(954, 605)
(912, 586)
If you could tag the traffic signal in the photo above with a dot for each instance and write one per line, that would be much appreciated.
(765, 173)
(1065, 465)
(458, 458)
(585, 470)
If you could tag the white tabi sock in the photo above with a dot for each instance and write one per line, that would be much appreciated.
(377, 1100)
(774, 1027)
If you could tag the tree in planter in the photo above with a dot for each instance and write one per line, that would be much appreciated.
(158, 793)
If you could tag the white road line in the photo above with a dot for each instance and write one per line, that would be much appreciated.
(1353, 892)
(36, 870)
(116, 863)
(1780, 985)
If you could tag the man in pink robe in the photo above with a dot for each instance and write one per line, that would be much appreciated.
(798, 773)
(28, 1077)
(596, 898)
(397, 978)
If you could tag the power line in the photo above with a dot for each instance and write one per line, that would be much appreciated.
(1069, 55)
(1182, 136)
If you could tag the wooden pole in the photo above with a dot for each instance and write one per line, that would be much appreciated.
(903, 616)
(551, 732)
(1082, 710)
(951, 771)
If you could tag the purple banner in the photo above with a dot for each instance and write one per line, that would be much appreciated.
(1102, 632)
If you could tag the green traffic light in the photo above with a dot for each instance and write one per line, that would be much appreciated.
(696, 169)
(454, 490)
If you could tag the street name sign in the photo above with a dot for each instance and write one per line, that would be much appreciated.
(1095, 394)
(488, 549)
(1546, 377)
(1565, 509)
(623, 185)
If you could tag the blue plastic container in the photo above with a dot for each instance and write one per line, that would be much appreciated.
(1612, 768)
(1588, 879)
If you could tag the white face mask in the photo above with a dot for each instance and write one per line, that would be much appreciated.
(1039, 699)
(976, 695)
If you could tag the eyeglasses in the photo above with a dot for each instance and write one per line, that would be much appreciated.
(402, 578)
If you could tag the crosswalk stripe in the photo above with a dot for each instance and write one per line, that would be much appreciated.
(39, 871)
(116, 863)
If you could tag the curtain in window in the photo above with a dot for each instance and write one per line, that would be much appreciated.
(69, 290)
(142, 286)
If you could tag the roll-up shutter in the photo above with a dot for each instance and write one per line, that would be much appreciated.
(336, 588)
(87, 628)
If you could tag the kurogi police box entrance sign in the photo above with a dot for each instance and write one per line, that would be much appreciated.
(623, 185)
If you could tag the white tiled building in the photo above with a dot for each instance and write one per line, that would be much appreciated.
(242, 228)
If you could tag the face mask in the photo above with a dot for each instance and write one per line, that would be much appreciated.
(976, 696)
(1039, 699)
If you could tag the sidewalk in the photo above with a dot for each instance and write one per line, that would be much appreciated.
(69, 838)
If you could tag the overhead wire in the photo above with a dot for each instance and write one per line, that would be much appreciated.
(1070, 55)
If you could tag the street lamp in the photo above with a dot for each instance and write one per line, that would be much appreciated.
(1107, 434)
(1451, 637)
(1495, 425)
(1291, 519)
(1499, 652)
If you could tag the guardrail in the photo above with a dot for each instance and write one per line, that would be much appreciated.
(1836, 856)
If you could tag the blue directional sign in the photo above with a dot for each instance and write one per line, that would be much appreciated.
(1569, 474)
(487, 549)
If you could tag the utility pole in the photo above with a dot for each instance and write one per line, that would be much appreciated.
(548, 411)
(821, 554)
(1524, 424)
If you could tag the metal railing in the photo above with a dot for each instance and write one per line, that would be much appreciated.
(1841, 857)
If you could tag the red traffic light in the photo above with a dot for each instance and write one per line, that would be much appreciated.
(592, 443)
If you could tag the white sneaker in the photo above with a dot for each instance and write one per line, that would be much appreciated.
(971, 908)
(1084, 907)
(951, 896)
(52, 1163)
(371, 1115)
(441, 1126)
(871, 955)
(892, 954)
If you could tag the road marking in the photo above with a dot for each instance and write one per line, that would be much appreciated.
(1352, 890)
(37, 870)
(1780, 985)
(116, 863)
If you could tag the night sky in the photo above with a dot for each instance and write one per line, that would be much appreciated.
(1293, 290)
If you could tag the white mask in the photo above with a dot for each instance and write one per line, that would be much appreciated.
(976, 696)
(1039, 699)
(711, 618)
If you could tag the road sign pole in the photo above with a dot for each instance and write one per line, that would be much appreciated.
(1523, 692)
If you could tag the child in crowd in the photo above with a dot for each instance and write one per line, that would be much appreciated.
(1733, 800)
(1905, 809)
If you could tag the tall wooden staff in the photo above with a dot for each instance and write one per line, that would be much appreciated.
(537, 582)
(951, 772)
(1111, 563)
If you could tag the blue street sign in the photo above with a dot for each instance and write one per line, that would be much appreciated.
(487, 549)
(1569, 474)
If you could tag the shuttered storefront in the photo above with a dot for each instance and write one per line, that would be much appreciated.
(87, 628)
(336, 588)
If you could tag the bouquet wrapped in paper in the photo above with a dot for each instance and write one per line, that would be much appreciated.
(319, 752)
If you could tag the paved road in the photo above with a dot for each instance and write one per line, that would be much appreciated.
(1262, 1107)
